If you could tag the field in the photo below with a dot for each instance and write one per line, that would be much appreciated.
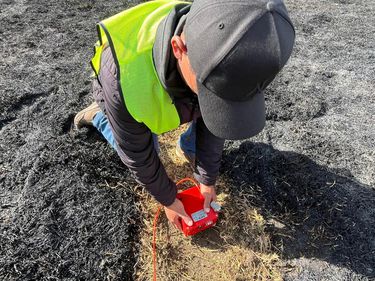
(298, 199)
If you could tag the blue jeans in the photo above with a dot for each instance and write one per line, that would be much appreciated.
(186, 140)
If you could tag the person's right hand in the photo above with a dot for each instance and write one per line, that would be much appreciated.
(176, 211)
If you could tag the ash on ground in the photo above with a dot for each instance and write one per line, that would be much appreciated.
(63, 214)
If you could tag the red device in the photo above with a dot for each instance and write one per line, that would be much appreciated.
(193, 200)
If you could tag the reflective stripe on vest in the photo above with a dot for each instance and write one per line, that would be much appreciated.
(131, 35)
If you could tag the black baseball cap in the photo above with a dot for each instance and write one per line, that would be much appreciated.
(236, 48)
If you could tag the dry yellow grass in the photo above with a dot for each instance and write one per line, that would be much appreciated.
(237, 248)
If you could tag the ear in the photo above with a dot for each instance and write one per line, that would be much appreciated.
(178, 47)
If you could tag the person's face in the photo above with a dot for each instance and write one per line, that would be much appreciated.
(183, 64)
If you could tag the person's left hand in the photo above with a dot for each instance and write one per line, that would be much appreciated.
(209, 194)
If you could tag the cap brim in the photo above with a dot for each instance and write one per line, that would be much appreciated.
(231, 119)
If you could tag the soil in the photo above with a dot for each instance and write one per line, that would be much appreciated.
(68, 209)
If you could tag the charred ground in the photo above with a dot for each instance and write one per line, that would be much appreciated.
(311, 170)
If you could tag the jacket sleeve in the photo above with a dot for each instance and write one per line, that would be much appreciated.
(209, 149)
(134, 141)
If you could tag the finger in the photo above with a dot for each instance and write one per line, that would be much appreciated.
(214, 198)
(206, 204)
(184, 216)
(186, 219)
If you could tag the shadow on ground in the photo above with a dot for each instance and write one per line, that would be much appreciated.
(313, 212)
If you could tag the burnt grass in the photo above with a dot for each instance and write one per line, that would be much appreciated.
(311, 170)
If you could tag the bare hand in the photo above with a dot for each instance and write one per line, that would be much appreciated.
(209, 194)
(176, 211)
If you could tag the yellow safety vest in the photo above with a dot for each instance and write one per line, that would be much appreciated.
(131, 35)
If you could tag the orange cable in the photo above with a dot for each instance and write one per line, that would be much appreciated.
(154, 241)
(155, 224)
(187, 179)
